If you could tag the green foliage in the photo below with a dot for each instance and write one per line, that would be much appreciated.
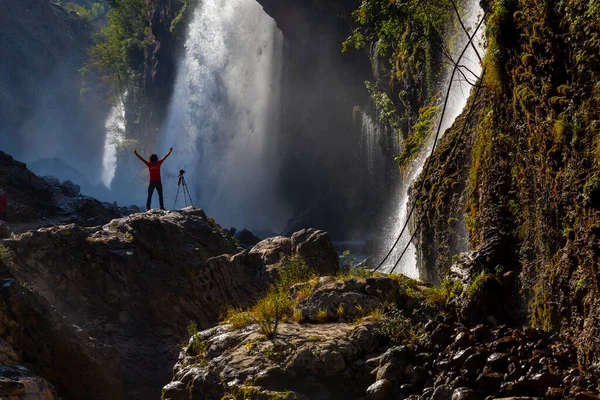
(540, 314)
(386, 22)
(276, 306)
(183, 14)
(478, 284)
(420, 131)
(119, 57)
(91, 12)
(591, 190)
(198, 345)
(385, 106)
(441, 295)
(271, 310)
(293, 270)
(399, 329)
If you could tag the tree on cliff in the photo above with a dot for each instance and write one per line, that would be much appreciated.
(118, 57)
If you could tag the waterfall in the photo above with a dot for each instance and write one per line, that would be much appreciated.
(223, 117)
(115, 131)
(457, 100)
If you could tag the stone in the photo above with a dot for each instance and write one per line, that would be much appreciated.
(554, 394)
(11, 387)
(490, 381)
(498, 362)
(586, 396)
(442, 335)
(382, 287)
(462, 340)
(476, 362)
(380, 390)
(331, 302)
(459, 358)
(315, 247)
(505, 344)
(542, 381)
(464, 393)
(442, 392)
(271, 249)
(482, 333)
(175, 391)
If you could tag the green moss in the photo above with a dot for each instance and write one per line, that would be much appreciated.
(477, 286)
(420, 132)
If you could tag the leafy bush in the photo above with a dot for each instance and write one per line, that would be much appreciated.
(293, 270)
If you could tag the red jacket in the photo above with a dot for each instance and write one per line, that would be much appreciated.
(3, 203)
(154, 169)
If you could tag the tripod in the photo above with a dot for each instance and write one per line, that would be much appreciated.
(186, 191)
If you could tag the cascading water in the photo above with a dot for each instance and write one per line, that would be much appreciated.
(457, 100)
(115, 130)
(223, 117)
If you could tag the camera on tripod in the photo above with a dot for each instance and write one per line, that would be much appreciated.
(186, 191)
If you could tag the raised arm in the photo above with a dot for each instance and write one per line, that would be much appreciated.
(167, 155)
(140, 157)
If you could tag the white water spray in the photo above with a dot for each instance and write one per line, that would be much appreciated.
(115, 131)
(457, 100)
(224, 115)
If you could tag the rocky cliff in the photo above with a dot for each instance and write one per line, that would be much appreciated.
(522, 179)
(43, 48)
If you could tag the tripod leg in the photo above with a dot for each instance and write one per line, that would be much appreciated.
(187, 189)
(176, 196)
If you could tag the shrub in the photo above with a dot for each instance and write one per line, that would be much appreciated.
(198, 346)
(441, 295)
(271, 310)
(293, 270)
(398, 329)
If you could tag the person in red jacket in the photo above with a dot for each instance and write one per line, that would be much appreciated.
(3, 205)
(155, 180)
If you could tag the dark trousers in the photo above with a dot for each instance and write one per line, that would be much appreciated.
(158, 187)
(2, 216)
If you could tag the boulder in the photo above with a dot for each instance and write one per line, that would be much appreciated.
(305, 360)
(338, 300)
(272, 249)
(380, 390)
(317, 250)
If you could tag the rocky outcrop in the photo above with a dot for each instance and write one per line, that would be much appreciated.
(303, 362)
(137, 282)
(407, 350)
(29, 196)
